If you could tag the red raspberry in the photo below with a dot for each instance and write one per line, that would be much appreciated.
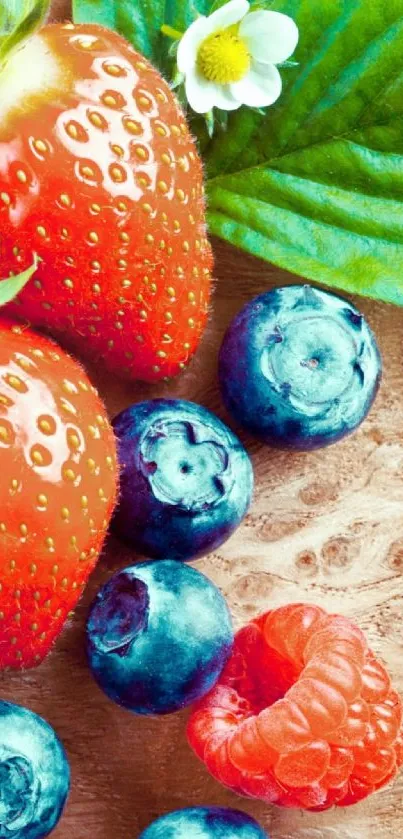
(303, 715)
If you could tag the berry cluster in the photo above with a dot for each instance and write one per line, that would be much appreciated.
(101, 192)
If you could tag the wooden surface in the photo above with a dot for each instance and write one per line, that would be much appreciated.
(325, 527)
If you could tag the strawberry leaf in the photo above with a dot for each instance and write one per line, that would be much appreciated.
(13, 285)
(18, 20)
(316, 184)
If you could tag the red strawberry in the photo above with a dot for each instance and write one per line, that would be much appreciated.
(100, 177)
(57, 490)
(303, 714)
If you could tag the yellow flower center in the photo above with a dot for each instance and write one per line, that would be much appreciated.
(223, 57)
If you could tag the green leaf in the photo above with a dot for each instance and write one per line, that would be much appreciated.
(316, 184)
(140, 21)
(13, 285)
(217, 4)
(18, 20)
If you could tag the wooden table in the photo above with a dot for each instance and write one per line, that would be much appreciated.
(325, 527)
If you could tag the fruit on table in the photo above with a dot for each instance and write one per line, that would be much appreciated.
(303, 715)
(204, 823)
(186, 480)
(99, 176)
(158, 636)
(34, 774)
(57, 490)
(299, 367)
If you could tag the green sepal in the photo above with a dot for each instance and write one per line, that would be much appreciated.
(12, 286)
(18, 20)
(210, 122)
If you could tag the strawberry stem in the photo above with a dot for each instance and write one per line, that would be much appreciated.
(172, 33)
(13, 285)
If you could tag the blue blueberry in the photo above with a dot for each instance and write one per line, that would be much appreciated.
(186, 480)
(158, 636)
(299, 368)
(204, 823)
(34, 774)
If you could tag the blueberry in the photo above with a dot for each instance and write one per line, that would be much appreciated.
(204, 823)
(34, 774)
(299, 368)
(158, 636)
(186, 480)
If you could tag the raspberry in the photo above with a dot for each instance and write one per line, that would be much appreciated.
(303, 714)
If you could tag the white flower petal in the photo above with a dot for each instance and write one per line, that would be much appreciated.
(203, 95)
(260, 87)
(188, 45)
(271, 37)
(224, 99)
(227, 15)
(200, 92)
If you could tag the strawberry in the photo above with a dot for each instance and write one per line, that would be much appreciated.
(57, 490)
(303, 714)
(100, 177)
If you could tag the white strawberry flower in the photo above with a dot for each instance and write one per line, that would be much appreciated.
(229, 58)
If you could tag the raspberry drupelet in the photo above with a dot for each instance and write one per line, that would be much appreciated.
(303, 715)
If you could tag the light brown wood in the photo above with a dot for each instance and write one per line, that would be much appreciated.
(325, 527)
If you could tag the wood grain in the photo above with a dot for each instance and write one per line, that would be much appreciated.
(325, 527)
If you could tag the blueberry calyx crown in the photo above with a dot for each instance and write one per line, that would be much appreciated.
(119, 614)
(314, 355)
(187, 464)
(19, 792)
